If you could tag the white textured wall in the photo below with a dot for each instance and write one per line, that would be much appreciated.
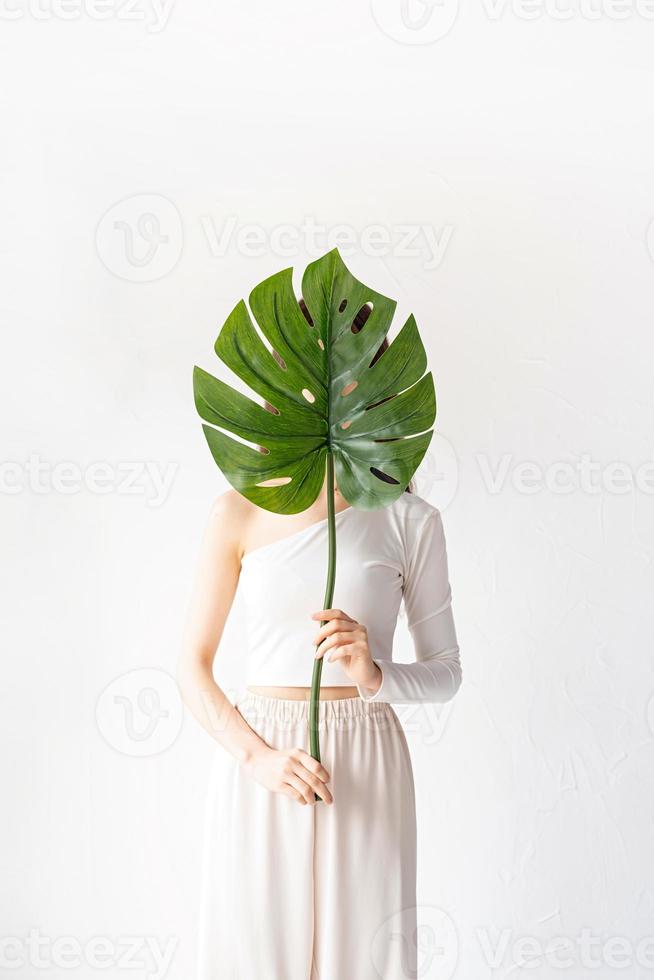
(518, 151)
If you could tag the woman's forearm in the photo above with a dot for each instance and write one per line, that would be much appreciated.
(216, 713)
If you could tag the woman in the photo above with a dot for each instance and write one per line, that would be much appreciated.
(296, 889)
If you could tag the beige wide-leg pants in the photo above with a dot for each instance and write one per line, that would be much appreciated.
(318, 892)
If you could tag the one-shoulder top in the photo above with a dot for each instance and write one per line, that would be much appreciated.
(383, 558)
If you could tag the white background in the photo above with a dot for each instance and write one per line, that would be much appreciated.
(521, 138)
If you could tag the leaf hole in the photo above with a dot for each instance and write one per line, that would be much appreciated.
(310, 397)
(382, 347)
(278, 481)
(381, 402)
(280, 360)
(305, 311)
(360, 319)
(346, 424)
(343, 306)
(320, 344)
(349, 388)
(384, 477)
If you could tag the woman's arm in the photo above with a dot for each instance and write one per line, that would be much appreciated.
(436, 675)
(293, 772)
(212, 596)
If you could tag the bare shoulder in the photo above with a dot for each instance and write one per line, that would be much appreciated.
(229, 518)
(227, 506)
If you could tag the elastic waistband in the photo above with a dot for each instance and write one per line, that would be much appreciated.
(287, 710)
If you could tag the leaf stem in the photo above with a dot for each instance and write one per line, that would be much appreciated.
(314, 736)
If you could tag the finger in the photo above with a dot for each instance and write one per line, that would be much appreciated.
(341, 653)
(301, 787)
(330, 614)
(316, 784)
(312, 765)
(293, 793)
(332, 626)
(332, 641)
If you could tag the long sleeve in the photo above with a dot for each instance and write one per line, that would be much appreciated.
(436, 675)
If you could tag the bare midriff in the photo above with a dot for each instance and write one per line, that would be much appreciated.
(304, 693)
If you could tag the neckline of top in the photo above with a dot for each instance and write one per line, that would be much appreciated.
(295, 534)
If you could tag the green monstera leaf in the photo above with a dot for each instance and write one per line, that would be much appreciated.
(326, 396)
(335, 414)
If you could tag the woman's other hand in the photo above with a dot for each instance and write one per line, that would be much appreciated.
(290, 771)
(346, 642)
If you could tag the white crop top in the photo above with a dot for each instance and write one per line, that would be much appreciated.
(382, 557)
